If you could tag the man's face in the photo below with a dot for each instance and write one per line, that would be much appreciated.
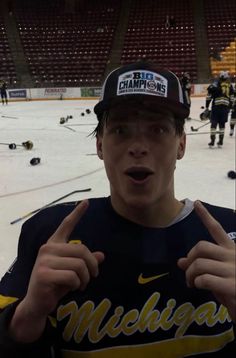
(139, 149)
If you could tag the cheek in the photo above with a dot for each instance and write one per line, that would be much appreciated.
(169, 161)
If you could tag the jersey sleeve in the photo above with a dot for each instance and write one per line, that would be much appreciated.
(13, 288)
(13, 284)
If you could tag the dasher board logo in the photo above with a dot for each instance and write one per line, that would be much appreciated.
(55, 91)
(142, 82)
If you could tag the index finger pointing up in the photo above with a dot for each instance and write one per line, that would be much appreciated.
(213, 226)
(61, 235)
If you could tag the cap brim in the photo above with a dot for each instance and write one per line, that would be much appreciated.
(150, 102)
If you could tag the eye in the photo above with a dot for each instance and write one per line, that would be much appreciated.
(159, 129)
(119, 130)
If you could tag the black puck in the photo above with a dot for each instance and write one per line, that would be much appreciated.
(232, 174)
(35, 161)
(12, 146)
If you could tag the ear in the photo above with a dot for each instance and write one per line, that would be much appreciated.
(181, 147)
(99, 147)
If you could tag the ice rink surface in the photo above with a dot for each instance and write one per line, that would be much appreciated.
(69, 162)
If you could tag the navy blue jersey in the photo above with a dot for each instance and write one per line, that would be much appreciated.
(139, 305)
(221, 94)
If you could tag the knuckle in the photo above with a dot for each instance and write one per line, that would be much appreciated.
(42, 274)
(197, 264)
(74, 280)
(204, 280)
(81, 265)
(83, 249)
(82, 269)
(43, 249)
(201, 246)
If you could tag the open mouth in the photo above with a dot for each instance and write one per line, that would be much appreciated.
(138, 174)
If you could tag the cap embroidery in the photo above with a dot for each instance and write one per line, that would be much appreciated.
(142, 82)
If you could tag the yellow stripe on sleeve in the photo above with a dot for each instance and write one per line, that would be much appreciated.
(5, 301)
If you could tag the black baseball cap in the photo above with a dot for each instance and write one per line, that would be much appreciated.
(144, 82)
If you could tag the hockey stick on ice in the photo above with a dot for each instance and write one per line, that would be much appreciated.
(71, 129)
(196, 129)
(10, 117)
(47, 205)
(203, 133)
(17, 145)
(82, 124)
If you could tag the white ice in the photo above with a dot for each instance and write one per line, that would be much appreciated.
(68, 162)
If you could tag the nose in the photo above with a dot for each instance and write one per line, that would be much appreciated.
(138, 147)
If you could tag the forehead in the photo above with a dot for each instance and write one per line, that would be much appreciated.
(139, 112)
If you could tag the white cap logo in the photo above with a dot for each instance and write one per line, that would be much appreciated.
(142, 82)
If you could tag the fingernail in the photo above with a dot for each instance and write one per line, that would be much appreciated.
(75, 242)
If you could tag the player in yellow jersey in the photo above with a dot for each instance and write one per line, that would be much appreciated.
(220, 94)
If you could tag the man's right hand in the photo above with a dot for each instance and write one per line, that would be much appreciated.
(60, 267)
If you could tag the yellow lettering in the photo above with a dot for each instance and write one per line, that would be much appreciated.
(165, 322)
(126, 324)
(71, 310)
(183, 317)
(92, 321)
(112, 328)
(148, 317)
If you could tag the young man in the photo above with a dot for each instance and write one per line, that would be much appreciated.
(233, 115)
(3, 91)
(137, 274)
(186, 87)
(220, 93)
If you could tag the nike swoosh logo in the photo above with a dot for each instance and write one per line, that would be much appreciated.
(143, 280)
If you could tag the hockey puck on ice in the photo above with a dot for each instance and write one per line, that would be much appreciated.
(82, 114)
(232, 174)
(35, 161)
(12, 146)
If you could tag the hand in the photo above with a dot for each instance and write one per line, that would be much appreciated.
(212, 266)
(60, 267)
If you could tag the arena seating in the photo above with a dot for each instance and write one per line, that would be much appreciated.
(148, 36)
(7, 68)
(73, 48)
(221, 32)
(67, 49)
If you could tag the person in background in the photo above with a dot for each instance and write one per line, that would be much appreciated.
(139, 273)
(186, 86)
(170, 22)
(3, 90)
(220, 94)
(233, 115)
